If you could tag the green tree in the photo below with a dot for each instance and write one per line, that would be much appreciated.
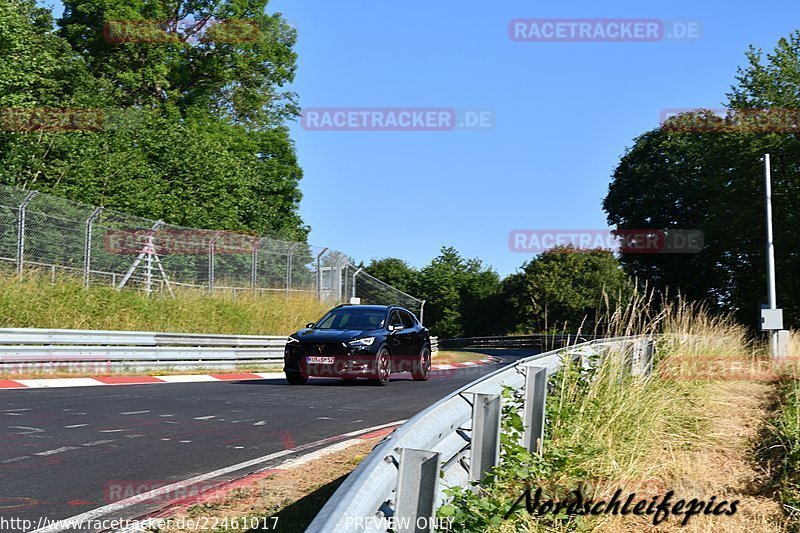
(459, 292)
(712, 180)
(554, 290)
(192, 132)
(395, 272)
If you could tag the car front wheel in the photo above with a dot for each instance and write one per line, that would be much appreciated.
(382, 367)
(422, 367)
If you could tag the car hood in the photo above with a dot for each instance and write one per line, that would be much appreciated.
(332, 335)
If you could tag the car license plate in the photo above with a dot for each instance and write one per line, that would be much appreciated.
(320, 360)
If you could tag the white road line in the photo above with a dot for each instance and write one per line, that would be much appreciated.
(15, 459)
(97, 442)
(30, 431)
(57, 450)
(209, 417)
(175, 487)
(14, 414)
(134, 412)
(76, 426)
(112, 430)
(59, 382)
(186, 379)
(261, 423)
(14, 410)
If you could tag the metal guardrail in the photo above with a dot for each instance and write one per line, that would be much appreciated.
(542, 342)
(31, 349)
(455, 441)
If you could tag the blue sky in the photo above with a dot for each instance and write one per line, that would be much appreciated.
(564, 114)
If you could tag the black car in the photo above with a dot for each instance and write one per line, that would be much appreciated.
(353, 341)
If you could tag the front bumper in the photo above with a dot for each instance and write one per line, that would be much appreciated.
(347, 362)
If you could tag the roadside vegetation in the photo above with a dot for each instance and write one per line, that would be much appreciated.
(780, 448)
(681, 429)
(36, 302)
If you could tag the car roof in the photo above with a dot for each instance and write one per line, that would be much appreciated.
(375, 307)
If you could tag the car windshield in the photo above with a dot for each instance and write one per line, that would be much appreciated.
(350, 318)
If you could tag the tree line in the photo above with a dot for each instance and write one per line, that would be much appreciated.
(559, 290)
(162, 123)
(703, 170)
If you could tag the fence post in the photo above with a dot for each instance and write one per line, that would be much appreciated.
(354, 281)
(254, 267)
(533, 413)
(485, 443)
(319, 274)
(289, 268)
(211, 262)
(422, 311)
(87, 250)
(21, 231)
(417, 486)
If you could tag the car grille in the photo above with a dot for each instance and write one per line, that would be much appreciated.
(323, 348)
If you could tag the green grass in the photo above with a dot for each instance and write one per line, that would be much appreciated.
(35, 302)
(784, 438)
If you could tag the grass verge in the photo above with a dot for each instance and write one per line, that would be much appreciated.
(35, 302)
(677, 432)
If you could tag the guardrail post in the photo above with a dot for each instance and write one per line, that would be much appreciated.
(533, 413)
(417, 486)
(643, 358)
(485, 443)
(21, 231)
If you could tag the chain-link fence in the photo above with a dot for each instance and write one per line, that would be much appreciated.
(45, 232)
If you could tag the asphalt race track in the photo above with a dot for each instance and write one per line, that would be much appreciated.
(66, 451)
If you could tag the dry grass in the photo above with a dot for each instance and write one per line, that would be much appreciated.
(33, 302)
(448, 357)
(720, 462)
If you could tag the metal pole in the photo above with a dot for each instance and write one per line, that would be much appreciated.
(87, 250)
(319, 274)
(422, 310)
(21, 231)
(771, 290)
(211, 262)
(254, 267)
(148, 272)
(289, 268)
(354, 281)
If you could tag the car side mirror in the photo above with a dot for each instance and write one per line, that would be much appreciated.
(310, 325)
(395, 328)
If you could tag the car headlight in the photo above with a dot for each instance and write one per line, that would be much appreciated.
(291, 339)
(365, 341)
